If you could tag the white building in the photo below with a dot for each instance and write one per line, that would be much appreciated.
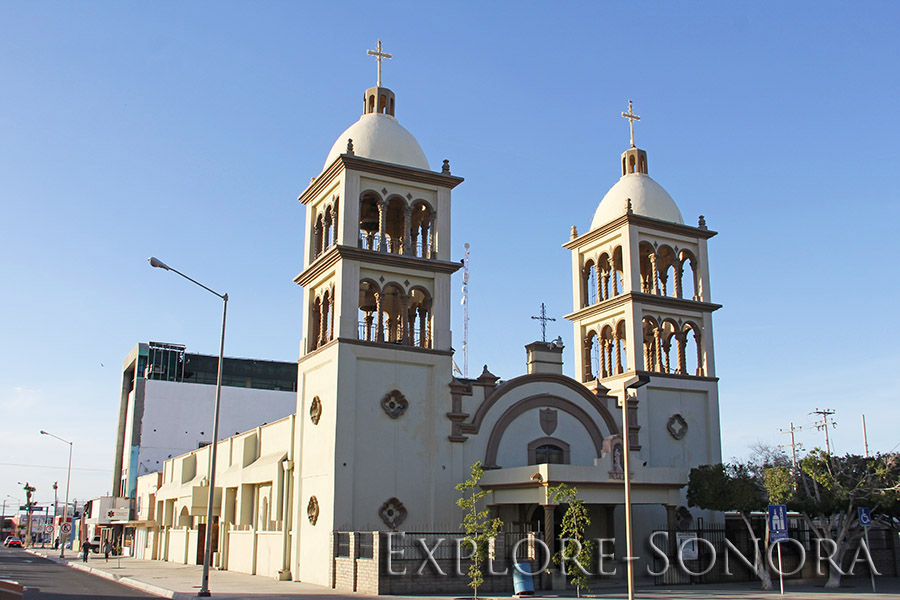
(383, 431)
(167, 401)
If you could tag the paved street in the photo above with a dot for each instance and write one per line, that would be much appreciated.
(45, 579)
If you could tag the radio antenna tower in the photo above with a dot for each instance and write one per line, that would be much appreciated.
(465, 303)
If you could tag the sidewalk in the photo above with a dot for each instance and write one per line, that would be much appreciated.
(181, 582)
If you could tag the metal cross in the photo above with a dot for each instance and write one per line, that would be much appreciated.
(543, 319)
(379, 56)
(631, 119)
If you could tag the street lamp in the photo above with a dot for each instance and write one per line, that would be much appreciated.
(62, 544)
(207, 550)
(632, 383)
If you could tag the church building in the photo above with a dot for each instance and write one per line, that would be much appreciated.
(383, 431)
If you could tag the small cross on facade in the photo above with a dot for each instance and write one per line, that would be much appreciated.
(379, 56)
(631, 119)
(543, 319)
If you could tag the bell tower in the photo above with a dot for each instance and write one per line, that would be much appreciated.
(642, 304)
(375, 357)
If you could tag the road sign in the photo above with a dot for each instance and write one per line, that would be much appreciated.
(778, 522)
(48, 528)
(865, 516)
(66, 528)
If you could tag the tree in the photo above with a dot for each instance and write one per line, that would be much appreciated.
(732, 487)
(479, 528)
(576, 552)
(826, 490)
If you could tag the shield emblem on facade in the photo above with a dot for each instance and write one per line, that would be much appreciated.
(548, 420)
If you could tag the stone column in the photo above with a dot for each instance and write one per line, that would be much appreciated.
(379, 310)
(323, 321)
(667, 346)
(407, 224)
(698, 341)
(612, 274)
(382, 224)
(654, 289)
(423, 327)
(609, 356)
(599, 276)
(618, 354)
(331, 315)
(680, 338)
(659, 353)
(587, 370)
(405, 336)
(604, 369)
(679, 273)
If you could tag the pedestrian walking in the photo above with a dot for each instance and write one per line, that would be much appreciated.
(107, 548)
(85, 550)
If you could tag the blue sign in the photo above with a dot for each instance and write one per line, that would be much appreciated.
(778, 522)
(865, 516)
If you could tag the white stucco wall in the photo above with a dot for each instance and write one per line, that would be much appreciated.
(178, 416)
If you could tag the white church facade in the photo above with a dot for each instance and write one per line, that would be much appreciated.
(383, 431)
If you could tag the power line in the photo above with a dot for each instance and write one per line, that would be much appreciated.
(793, 445)
(823, 426)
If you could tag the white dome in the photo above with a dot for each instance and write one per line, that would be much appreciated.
(380, 137)
(648, 198)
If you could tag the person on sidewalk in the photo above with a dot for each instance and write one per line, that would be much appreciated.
(85, 550)
(107, 548)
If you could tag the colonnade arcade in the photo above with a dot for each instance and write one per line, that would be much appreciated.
(658, 338)
(605, 349)
(602, 277)
(605, 352)
(662, 266)
(322, 322)
(396, 225)
(325, 230)
(389, 314)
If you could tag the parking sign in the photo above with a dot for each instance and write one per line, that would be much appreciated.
(778, 522)
(865, 516)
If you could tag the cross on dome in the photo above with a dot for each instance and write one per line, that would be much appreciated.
(631, 119)
(379, 56)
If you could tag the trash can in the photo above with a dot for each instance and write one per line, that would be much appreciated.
(523, 585)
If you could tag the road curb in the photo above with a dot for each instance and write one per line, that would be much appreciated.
(132, 583)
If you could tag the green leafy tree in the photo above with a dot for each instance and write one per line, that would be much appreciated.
(826, 490)
(733, 487)
(479, 528)
(577, 551)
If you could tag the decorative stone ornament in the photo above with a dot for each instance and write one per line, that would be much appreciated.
(350, 146)
(677, 426)
(548, 420)
(315, 410)
(445, 168)
(393, 513)
(312, 510)
(394, 404)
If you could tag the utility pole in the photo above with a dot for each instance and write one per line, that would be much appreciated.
(825, 413)
(794, 445)
(865, 438)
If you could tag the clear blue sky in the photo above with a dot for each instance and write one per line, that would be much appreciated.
(187, 130)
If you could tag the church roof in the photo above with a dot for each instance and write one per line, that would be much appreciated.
(647, 197)
(380, 137)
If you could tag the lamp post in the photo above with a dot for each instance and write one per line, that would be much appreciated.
(62, 544)
(632, 383)
(207, 550)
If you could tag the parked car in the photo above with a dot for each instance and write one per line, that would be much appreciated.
(13, 542)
